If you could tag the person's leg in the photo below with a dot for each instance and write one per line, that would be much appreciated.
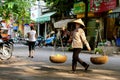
(84, 64)
(32, 52)
(33, 49)
(74, 60)
(29, 45)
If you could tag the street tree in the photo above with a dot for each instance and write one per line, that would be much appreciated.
(64, 7)
(16, 9)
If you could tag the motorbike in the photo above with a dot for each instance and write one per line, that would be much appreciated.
(53, 41)
(6, 44)
(10, 43)
(50, 41)
(5, 51)
(40, 41)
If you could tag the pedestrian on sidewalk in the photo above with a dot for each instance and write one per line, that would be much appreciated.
(78, 39)
(31, 41)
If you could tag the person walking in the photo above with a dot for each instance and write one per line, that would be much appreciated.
(78, 39)
(31, 41)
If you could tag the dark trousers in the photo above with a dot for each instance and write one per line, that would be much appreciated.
(31, 45)
(75, 59)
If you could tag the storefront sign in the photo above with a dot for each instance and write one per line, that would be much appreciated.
(102, 5)
(90, 14)
(80, 7)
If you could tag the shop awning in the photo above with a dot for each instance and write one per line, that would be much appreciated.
(116, 10)
(62, 23)
(45, 17)
(115, 13)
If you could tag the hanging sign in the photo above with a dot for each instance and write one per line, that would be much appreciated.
(80, 7)
(102, 5)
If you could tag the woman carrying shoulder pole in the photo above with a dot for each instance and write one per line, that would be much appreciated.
(78, 40)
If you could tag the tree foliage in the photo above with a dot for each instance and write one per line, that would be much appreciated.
(64, 7)
(61, 6)
(17, 9)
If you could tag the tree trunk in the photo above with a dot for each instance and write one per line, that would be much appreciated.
(21, 28)
(63, 16)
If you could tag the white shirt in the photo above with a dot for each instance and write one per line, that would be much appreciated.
(32, 34)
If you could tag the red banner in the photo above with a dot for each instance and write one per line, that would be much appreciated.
(102, 5)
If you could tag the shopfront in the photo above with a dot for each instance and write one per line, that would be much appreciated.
(44, 23)
(97, 10)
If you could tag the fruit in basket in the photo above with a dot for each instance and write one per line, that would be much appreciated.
(58, 54)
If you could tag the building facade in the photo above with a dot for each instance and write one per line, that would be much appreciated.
(100, 26)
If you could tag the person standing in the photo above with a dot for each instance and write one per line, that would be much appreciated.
(31, 41)
(78, 39)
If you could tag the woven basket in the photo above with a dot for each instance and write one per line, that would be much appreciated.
(99, 60)
(58, 59)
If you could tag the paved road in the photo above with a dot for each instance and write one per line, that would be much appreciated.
(40, 68)
(42, 55)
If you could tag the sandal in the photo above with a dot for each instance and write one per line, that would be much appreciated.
(86, 67)
(29, 56)
(32, 57)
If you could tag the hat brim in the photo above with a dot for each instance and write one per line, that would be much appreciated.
(79, 21)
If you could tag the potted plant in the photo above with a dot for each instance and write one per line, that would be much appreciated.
(98, 51)
(99, 59)
(70, 48)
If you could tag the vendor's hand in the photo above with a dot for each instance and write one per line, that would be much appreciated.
(89, 49)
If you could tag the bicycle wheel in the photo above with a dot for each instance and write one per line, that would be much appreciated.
(5, 53)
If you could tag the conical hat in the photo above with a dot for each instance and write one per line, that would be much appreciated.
(79, 21)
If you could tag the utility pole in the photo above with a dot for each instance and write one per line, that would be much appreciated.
(39, 14)
(86, 11)
(118, 2)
